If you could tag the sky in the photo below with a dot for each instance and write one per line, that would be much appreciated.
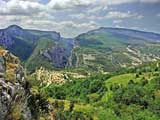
(73, 17)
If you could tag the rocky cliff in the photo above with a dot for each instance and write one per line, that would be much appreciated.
(13, 89)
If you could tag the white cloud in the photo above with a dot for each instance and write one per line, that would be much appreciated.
(66, 4)
(74, 28)
(117, 14)
(78, 16)
(150, 1)
(20, 7)
(117, 2)
(96, 9)
(33, 6)
(86, 16)
(117, 21)
(63, 4)
(122, 15)
(68, 16)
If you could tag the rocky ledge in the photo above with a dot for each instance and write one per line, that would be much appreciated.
(13, 89)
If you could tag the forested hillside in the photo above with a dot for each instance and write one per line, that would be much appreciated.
(131, 94)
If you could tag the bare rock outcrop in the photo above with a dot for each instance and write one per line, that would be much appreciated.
(13, 89)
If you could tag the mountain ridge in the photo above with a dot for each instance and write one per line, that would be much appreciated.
(122, 30)
(118, 28)
(131, 47)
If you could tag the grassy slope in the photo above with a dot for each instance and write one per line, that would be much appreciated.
(123, 79)
(96, 110)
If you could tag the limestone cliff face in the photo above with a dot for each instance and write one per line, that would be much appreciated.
(13, 89)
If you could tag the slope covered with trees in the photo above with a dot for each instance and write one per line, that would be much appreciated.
(130, 94)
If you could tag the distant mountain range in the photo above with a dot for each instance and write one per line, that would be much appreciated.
(103, 49)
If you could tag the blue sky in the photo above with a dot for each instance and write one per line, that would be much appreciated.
(72, 17)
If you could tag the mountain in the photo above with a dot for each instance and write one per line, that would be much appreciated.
(103, 49)
(21, 41)
(130, 93)
(36, 48)
(112, 48)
